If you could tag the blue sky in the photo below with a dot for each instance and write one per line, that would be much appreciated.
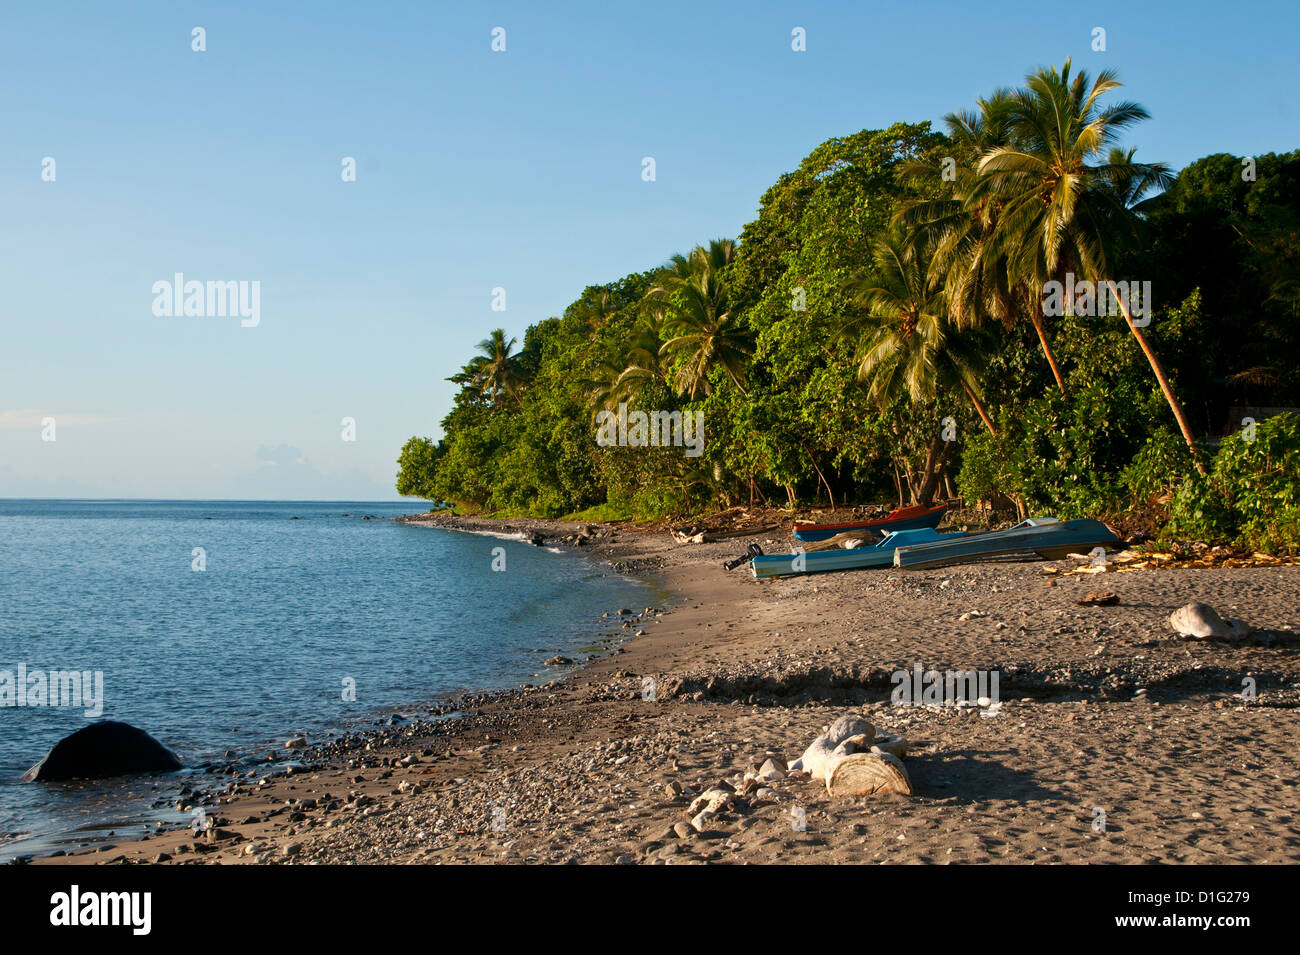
(475, 169)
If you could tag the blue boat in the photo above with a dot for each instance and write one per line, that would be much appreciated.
(878, 554)
(1044, 537)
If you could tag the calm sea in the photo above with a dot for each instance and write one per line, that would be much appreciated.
(293, 600)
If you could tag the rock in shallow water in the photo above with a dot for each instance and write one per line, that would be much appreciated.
(103, 750)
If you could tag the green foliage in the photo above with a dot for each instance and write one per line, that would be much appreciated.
(1159, 468)
(874, 302)
(1065, 455)
(416, 467)
(1251, 497)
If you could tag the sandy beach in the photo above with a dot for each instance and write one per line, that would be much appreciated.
(1116, 740)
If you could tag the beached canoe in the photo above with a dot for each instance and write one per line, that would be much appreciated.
(878, 554)
(901, 519)
(1045, 537)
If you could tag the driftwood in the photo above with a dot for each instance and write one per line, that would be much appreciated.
(695, 534)
(682, 537)
(852, 761)
(866, 774)
(859, 538)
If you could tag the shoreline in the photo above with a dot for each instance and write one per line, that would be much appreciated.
(360, 731)
(1102, 711)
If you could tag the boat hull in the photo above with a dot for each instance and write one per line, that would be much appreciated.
(879, 554)
(1043, 537)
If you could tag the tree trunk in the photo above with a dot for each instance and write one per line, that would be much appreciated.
(929, 476)
(850, 763)
(979, 406)
(1160, 377)
(829, 493)
(1035, 316)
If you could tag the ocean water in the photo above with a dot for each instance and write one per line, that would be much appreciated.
(293, 600)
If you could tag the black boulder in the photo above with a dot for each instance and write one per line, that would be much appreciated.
(102, 750)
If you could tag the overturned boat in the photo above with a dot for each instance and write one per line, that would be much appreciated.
(877, 554)
(919, 548)
(1044, 537)
(900, 519)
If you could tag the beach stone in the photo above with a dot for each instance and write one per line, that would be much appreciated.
(702, 819)
(558, 661)
(711, 800)
(683, 830)
(103, 750)
(770, 771)
(1204, 623)
(296, 742)
(291, 849)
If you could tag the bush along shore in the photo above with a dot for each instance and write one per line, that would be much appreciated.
(776, 721)
(1013, 310)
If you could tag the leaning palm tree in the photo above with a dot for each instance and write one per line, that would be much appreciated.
(703, 331)
(1066, 194)
(495, 373)
(1050, 183)
(1126, 189)
(906, 343)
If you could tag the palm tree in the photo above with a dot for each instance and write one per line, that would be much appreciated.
(908, 346)
(693, 295)
(958, 226)
(618, 377)
(906, 342)
(495, 373)
(1065, 202)
(1051, 191)
(1128, 187)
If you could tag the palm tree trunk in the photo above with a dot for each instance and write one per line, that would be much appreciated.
(1039, 326)
(1160, 377)
(979, 406)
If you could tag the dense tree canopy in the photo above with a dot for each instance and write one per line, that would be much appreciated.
(881, 330)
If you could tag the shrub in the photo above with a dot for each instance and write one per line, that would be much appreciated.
(1251, 497)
